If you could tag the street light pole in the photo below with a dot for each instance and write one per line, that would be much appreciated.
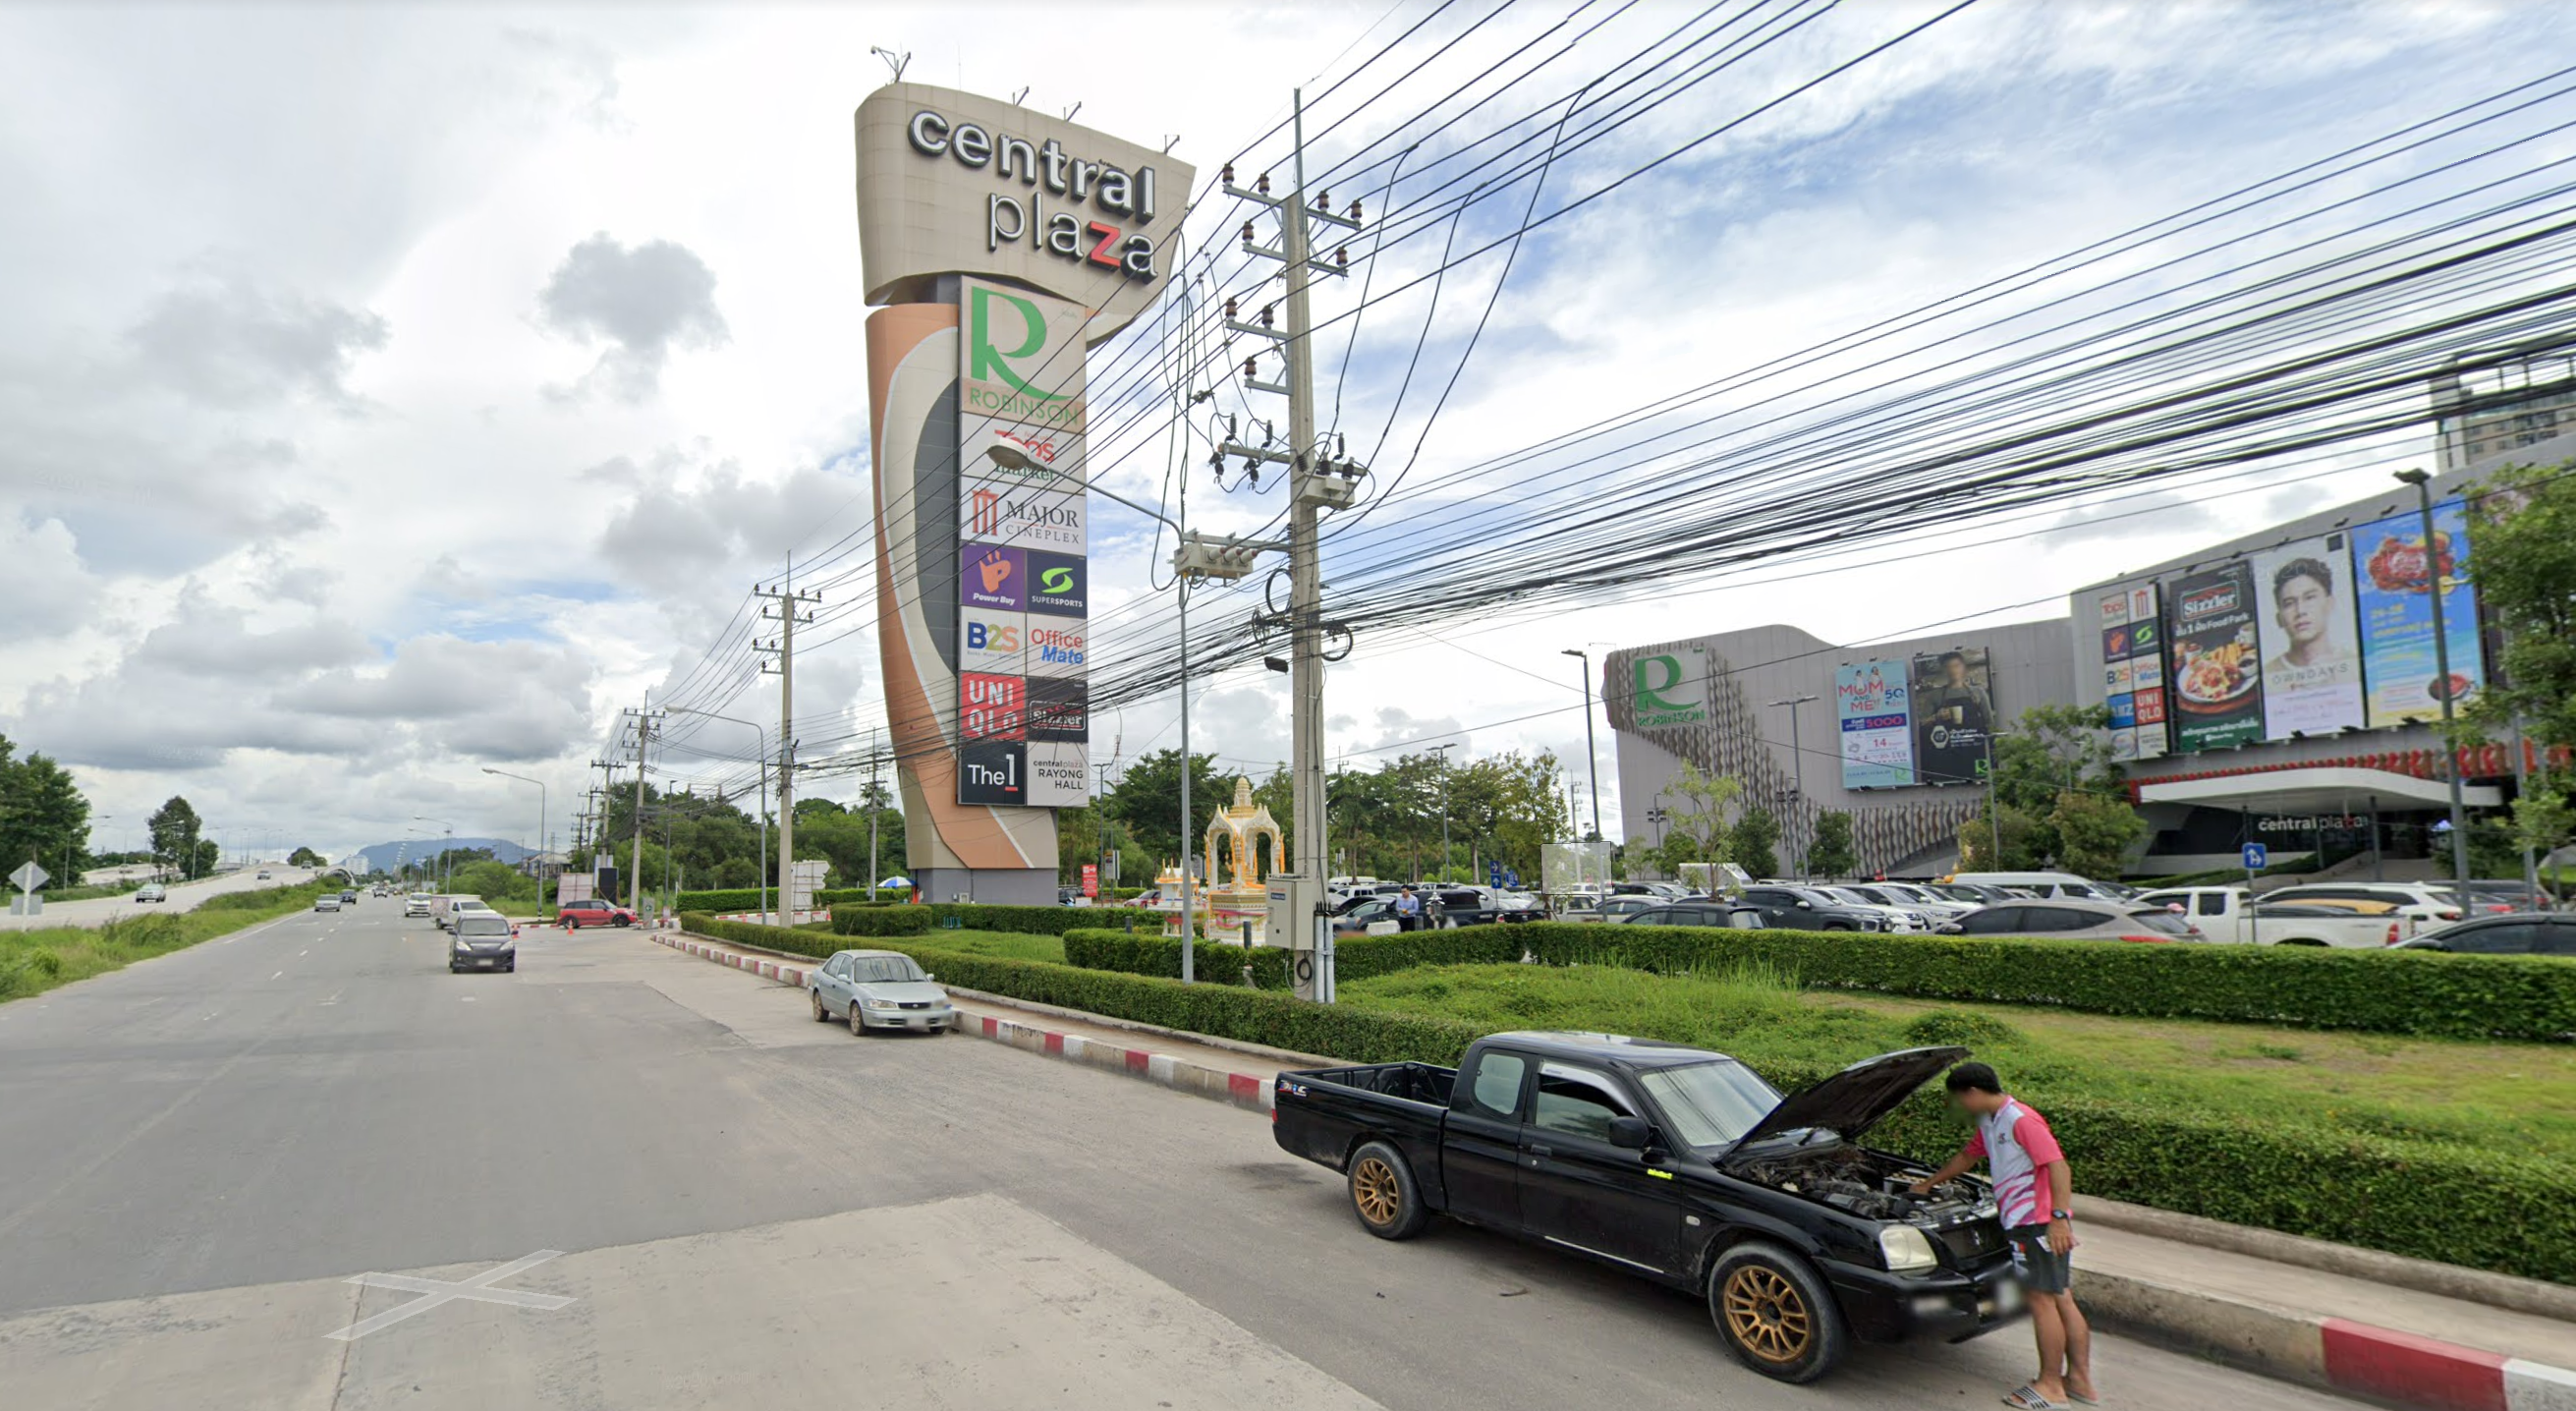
(1443, 752)
(541, 830)
(446, 849)
(1798, 774)
(760, 753)
(2433, 577)
(1591, 752)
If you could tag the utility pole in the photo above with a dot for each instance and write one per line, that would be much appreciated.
(2433, 576)
(1315, 484)
(786, 606)
(875, 759)
(1798, 788)
(1591, 752)
(643, 737)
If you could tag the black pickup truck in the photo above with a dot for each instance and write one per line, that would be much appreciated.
(1682, 1166)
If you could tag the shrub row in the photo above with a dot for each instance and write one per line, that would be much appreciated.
(749, 898)
(1354, 957)
(795, 940)
(880, 920)
(2425, 993)
(2480, 1208)
(1021, 920)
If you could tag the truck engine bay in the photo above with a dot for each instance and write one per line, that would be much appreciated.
(1874, 1186)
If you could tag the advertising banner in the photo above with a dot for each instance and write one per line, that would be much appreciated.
(1023, 670)
(2217, 680)
(1951, 703)
(2393, 571)
(1877, 734)
(2310, 638)
(2148, 696)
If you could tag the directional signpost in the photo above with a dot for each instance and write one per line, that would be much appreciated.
(28, 877)
(2257, 857)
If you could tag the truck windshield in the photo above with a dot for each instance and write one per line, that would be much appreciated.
(1709, 1104)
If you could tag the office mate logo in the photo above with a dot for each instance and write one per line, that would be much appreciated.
(1059, 584)
(1014, 368)
(1055, 650)
(1662, 695)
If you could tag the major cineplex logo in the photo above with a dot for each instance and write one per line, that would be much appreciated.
(1045, 169)
(999, 512)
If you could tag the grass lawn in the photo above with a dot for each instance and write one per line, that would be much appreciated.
(1003, 945)
(32, 962)
(2518, 1097)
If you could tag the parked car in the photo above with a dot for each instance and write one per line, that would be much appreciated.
(2416, 903)
(1621, 908)
(1896, 917)
(151, 891)
(2495, 897)
(484, 940)
(1680, 1165)
(2516, 933)
(2042, 884)
(1367, 916)
(878, 989)
(1704, 911)
(2226, 914)
(1975, 893)
(2068, 918)
(592, 911)
(328, 901)
(1806, 909)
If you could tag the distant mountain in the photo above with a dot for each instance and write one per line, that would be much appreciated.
(385, 857)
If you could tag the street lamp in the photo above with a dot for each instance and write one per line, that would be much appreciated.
(1798, 774)
(760, 751)
(446, 860)
(1591, 753)
(534, 872)
(1443, 752)
(2442, 670)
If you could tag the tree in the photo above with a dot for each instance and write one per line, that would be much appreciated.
(2094, 833)
(306, 857)
(174, 828)
(1695, 827)
(2522, 539)
(43, 817)
(1830, 853)
(1147, 801)
(2058, 797)
(1751, 844)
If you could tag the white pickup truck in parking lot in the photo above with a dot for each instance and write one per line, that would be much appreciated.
(2223, 914)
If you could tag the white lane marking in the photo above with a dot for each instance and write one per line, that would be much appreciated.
(280, 975)
(302, 953)
(433, 1292)
(469, 999)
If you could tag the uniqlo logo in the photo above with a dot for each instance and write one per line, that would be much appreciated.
(992, 707)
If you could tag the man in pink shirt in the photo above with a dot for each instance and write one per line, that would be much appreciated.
(2033, 1194)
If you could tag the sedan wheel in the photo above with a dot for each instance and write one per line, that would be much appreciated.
(858, 1026)
(821, 1015)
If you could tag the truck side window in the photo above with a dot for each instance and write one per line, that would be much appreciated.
(2213, 903)
(1497, 1085)
(1574, 1103)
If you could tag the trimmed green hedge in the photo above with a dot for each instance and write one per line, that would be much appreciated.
(1354, 957)
(748, 898)
(1021, 920)
(2480, 1208)
(880, 920)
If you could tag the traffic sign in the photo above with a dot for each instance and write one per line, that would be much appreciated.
(1494, 874)
(2257, 857)
(29, 876)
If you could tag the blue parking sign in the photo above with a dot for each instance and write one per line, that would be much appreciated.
(2257, 857)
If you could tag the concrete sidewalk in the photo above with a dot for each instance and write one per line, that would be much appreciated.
(2363, 1327)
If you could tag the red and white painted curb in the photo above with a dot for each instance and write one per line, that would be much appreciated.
(2386, 1365)
(1224, 1085)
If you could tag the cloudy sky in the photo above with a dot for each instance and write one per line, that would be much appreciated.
(392, 392)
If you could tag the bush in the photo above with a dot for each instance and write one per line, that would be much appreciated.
(794, 940)
(1945, 1027)
(880, 920)
(1042, 920)
(1216, 962)
(2425, 993)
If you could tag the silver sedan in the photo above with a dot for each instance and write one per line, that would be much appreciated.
(878, 989)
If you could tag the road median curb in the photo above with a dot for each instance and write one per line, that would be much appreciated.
(1244, 1090)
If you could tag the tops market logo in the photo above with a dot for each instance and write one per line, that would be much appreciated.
(1122, 195)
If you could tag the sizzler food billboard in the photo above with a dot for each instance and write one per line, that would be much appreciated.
(2216, 686)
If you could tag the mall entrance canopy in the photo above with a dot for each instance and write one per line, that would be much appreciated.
(2320, 789)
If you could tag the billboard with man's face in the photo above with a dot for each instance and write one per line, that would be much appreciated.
(2310, 646)
(1951, 702)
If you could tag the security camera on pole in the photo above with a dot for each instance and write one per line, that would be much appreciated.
(1316, 483)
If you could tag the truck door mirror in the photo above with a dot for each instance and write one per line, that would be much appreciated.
(1630, 1132)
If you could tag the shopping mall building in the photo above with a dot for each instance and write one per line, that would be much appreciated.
(2280, 688)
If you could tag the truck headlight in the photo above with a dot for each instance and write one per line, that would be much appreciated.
(1906, 1249)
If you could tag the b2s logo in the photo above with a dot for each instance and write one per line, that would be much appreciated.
(991, 637)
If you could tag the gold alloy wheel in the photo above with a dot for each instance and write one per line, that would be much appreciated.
(1374, 1189)
(1766, 1314)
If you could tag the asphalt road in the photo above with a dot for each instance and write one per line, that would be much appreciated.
(184, 896)
(678, 1191)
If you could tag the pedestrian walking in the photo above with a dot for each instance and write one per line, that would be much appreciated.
(1408, 911)
(2034, 1196)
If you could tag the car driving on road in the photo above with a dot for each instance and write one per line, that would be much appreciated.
(151, 891)
(484, 940)
(878, 989)
(416, 904)
(328, 901)
(1679, 1165)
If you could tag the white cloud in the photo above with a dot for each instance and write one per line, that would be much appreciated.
(642, 302)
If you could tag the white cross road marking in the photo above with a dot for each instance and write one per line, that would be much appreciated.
(434, 1292)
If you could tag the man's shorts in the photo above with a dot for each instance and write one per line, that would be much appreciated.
(2041, 1269)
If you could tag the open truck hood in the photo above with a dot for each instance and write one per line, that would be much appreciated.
(1855, 1099)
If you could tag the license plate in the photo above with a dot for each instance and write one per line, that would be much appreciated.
(2007, 1298)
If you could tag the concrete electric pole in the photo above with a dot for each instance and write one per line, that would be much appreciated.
(643, 736)
(1316, 483)
(787, 607)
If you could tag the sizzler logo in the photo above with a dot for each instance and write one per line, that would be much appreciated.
(1116, 193)
(2210, 602)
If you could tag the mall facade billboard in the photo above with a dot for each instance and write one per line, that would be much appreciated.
(1003, 244)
